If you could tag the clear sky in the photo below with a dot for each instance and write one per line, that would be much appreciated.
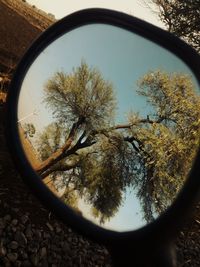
(61, 8)
(122, 57)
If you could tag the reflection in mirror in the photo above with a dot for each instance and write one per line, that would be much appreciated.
(110, 122)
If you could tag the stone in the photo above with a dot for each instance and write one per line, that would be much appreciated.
(15, 210)
(26, 263)
(24, 219)
(43, 252)
(69, 239)
(28, 232)
(58, 229)
(34, 259)
(12, 257)
(44, 263)
(46, 235)
(2, 224)
(2, 251)
(18, 263)
(66, 246)
(38, 234)
(24, 255)
(7, 218)
(14, 222)
(13, 245)
(14, 229)
(32, 248)
(21, 238)
(6, 206)
(49, 226)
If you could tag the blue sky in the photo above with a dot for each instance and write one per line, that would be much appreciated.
(122, 57)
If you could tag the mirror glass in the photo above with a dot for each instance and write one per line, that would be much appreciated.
(110, 122)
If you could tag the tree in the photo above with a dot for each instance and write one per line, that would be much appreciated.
(83, 103)
(168, 141)
(29, 129)
(96, 159)
(181, 18)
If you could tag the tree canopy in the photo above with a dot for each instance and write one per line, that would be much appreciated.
(168, 141)
(97, 159)
(29, 129)
(181, 18)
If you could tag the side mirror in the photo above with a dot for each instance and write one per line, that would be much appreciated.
(103, 122)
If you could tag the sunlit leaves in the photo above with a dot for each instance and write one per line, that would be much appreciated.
(81, 94)
(29, 129)
(53, 137)
(181, 18)
(150, 154)
(106, 172)
(169, 139)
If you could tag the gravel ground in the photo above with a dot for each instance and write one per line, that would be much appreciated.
(26, 244)
(188, 242)
(29, 234)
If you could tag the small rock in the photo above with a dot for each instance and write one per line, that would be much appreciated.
(38, 234)
(34, 259)
(28, 232)
(2, 250)
(26, 263)
(58, 229)
(69, 239)
(13, 245)
(15, 210)
(6, 262)
(7, 218)
(24, 255)
(14, 229)
(2, 224)
(6, 206)
(46, 235)
(44, 263)
(12, 256)
(24, 219)
(66, 247)
(33, 248)
(43, 252)
(49, 226)
(14, 222)
(18, 263)
(21, 238)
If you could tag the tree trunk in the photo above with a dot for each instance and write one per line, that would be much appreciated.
(61, 152)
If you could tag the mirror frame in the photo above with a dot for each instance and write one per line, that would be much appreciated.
(167, 223)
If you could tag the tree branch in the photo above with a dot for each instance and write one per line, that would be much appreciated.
(60, 153)
(59, 168)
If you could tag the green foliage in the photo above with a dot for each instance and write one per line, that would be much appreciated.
(181, 18)
(98, 161)
(70, 198)
(29, 129)
(106, 172)
(81, 94)
(50, 140)
(169, 139)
